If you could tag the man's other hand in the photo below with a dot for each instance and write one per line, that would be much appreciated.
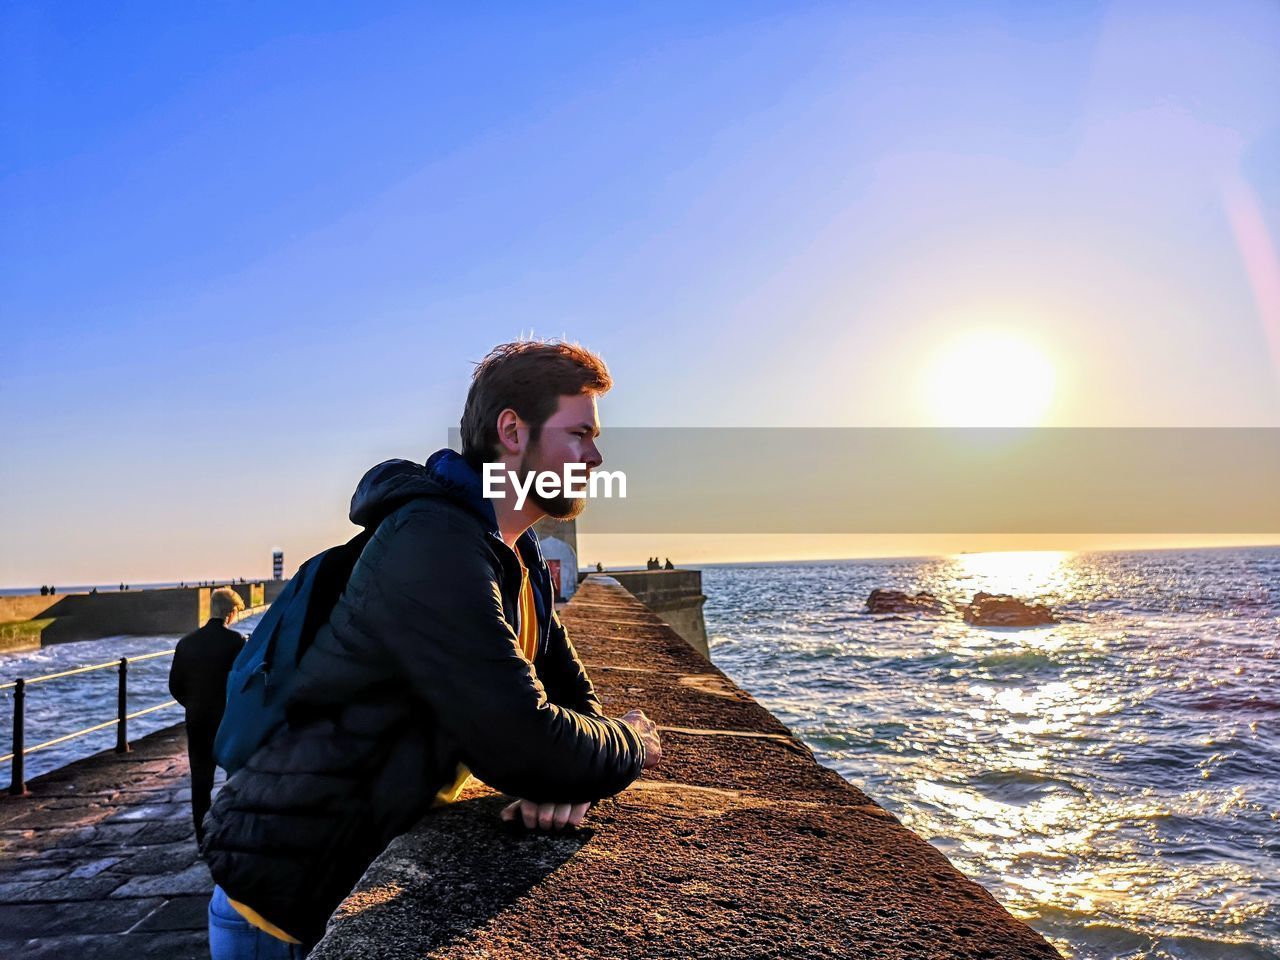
(546, 816)
(648, 731)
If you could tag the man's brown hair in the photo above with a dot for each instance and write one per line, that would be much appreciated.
(530, 377)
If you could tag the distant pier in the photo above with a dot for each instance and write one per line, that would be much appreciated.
(31, 621)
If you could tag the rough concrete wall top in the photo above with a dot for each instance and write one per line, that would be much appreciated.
(738, 845)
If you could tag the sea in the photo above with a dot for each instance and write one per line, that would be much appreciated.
(56, 708)
(1113, 779)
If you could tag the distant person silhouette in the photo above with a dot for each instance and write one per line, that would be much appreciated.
(44, 591)
(668, 565)
(52, 591)
(198, 681)
(599, 567)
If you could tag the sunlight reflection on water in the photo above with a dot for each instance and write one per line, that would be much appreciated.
(1113, 778)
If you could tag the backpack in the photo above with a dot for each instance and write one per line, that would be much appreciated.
(265, 671)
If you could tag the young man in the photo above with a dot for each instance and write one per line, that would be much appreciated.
(443, 657)
(198, 681)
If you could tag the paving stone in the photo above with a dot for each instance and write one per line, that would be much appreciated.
(82, 816)
(31, 856)
(166, 945)
(115, 832)
(91, 888)
(71, 804)
(194, 879)
(19, 871)
(161, 858)
(152, 811)
(24, 921)
(74, 857)
(93, 868)
(169, 831)
(11, 890)
(180, 913)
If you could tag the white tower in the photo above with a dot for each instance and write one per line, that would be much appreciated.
(559, 542)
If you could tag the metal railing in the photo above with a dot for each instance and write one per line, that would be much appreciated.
(17, 780)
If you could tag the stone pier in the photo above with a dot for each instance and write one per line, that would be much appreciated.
(676, 597)
(30, 621)
(740, 844)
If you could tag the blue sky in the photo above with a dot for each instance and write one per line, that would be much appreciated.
(246, 251)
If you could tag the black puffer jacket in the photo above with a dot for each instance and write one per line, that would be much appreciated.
(417, 669)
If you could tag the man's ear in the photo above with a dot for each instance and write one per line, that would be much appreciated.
(508, 428)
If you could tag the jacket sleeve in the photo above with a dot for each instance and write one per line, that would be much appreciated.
(435, 605)
(563, 674)
(177, 674)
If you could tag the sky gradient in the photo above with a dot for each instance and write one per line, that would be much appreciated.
(247, 252)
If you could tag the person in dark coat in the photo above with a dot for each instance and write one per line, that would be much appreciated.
(443, 657)
(198, 681)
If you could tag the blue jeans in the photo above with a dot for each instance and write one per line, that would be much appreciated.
(232, 937)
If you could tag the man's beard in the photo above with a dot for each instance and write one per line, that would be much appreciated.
(558, 507)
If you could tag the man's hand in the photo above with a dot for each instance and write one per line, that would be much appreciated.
(556, 816)
(648, 731)
(546, 816)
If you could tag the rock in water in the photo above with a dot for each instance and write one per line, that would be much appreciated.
(1003, 610)
(895, 601)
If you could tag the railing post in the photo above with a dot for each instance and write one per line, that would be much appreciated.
(122, 708)
(18, 774)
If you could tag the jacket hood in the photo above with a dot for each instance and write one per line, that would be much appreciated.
(394, 482)
(445, 474)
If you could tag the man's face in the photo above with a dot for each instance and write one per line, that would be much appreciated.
(568, 436)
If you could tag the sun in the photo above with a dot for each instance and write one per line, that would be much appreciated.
(988, 379)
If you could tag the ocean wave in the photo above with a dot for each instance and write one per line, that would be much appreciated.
(1020, 660)
(1235, 702)
(1015, 786)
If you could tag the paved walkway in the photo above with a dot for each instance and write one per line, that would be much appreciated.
(100, 861)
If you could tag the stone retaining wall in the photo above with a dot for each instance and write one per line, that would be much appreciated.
(740, 844)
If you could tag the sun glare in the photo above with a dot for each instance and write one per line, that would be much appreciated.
(1024, 573)
(988, 380)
